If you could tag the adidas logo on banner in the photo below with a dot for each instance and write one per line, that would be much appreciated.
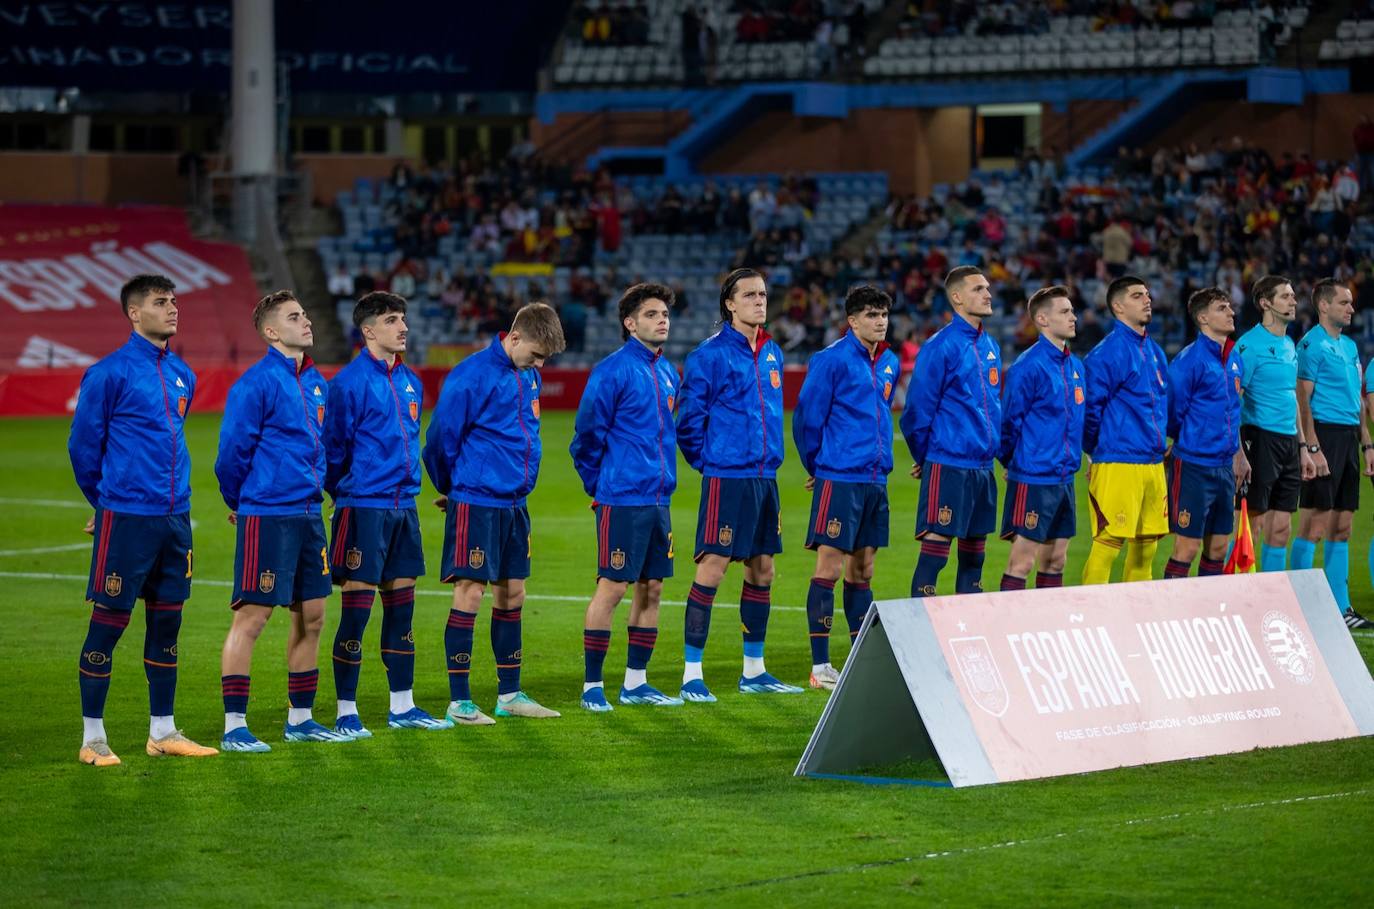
(40, 353)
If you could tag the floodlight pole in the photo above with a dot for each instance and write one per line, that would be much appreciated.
(254, 124)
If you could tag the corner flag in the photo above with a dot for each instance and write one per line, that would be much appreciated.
(1242, 560)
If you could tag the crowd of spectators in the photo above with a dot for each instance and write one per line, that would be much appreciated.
(1184, 217)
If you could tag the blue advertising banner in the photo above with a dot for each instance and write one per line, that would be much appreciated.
(340, 45)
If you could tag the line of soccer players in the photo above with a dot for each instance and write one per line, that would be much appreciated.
(288, 437)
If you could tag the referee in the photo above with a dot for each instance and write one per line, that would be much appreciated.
(1269, 420)
(1329, 406)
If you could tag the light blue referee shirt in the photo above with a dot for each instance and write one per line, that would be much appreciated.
(1270, 381)
(1333, 365)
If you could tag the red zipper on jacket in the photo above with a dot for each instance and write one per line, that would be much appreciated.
(658, 409)
(878, 410)
(520, 415)
(305, 405)
(982, 385)
(167, 409)
(396, 399)
(1153, 421)
(1068, 407)
(763, 415)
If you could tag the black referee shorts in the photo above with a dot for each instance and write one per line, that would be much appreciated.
(1341, 490)
(1275, 470)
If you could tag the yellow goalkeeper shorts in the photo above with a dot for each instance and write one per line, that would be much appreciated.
(1129, 501)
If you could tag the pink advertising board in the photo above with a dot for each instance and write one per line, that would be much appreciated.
(1027, 684)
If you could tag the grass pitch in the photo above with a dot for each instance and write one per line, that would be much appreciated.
(688, 806)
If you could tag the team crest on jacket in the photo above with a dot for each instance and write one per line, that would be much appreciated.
(832, 529)
(618, 559)
(726, 535)
(114, 585)
(1078, 395)
(353, 559)
(414, 410)
(887, 390)
(993, 375)
(1032, 520)
(946, 515)
(181, 404)
(1184, 518)
(670, 402)
(319, 414)
(476, 557)
(775, 378)
(267, 581)
(534, 408)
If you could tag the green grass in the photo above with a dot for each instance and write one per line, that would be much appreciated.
(694, 806)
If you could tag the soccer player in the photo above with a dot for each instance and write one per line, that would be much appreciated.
(372, 450)
(625, 450)
(952, 423)
(129, 417)
(1124, 424)
(1269, 431)
(482, 452)
(843, 431)
(1329, 405)
(729, 427)
(1042, 436)
(271, 470)
(1206, 463)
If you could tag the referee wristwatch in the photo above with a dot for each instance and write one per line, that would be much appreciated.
(1312, 449)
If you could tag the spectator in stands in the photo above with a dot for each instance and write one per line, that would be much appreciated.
(341, 284)
(1363, 137)
(1117, 247)
(763, 205)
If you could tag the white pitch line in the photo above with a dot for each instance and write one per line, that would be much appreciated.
(213, 582)
(70, 547)
(49, 503)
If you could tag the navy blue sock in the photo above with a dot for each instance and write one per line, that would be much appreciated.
(858, 596)
(458, 653)
(1044, 579)
(235, 689)
(1012, 582)
(398, 638)
(754, 605)
(348, 642)
(1176, 569)
(932, 560)
(970, 576)
(595, 643)
(300, 688)
(642, 640)
(160, 655)
(820, 615)
(505, 646)
(696, 624)
(1207, 567)
(97, 658)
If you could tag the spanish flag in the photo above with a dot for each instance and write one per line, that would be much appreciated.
(1242, 560)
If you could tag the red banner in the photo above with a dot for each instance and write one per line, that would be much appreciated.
(61, 267)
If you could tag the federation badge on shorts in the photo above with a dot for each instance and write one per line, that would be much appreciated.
(1032, 520)
(114, 585)
(476, 557)
(832, 529)
(1184, 519)
(945, 515)
(534, 408)
(353, 559)
(181, 405)
(267, 581)
(414, 410)
(618, 559)
(775, 378)
(726, 535)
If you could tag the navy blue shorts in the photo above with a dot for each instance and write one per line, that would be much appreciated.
(956, 502)
(280, 560)
(1201, 499)
(634, 542)
(738, 518)
(373, 545)
(1039, 511)
(136, 555)
(848, 516)
(486, 544)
